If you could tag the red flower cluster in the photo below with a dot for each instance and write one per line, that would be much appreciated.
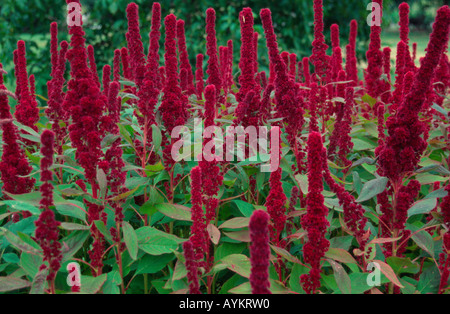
(14, 166)
(199, 85)
(404, 145)
(259, 253)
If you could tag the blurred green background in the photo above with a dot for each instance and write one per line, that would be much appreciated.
(106, 25)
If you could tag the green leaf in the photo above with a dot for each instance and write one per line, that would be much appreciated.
(130, 238)
(150, 264)
(429, 281)
(72, 243)
(423, 207)
(73, 227)
(156, 138)
(403, 265)
(156, 242)
(372, 189)
(92, 285)
(175, 211)
(19, 243)
(237, 263)
(245, 208)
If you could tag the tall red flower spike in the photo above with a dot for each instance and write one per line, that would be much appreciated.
(211, 50)
(374, 84)
(184, 57)
(153, 51)
(47, 228)
(199, 85)
(173, 107)
(135, 46)
(27, 111)
(315, 221)
(248, 55)
(351, 62)
(319, 47)
(259, 252)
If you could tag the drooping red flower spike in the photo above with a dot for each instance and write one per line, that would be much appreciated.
(184, 57)
(199, 236)
(259, 252)
(47, 228)
(191, 267)
(93, 64)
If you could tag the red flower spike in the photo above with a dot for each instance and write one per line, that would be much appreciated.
(199, 76)
(259, 253)
(93, 64)
(351, 62)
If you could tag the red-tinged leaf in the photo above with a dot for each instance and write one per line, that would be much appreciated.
(10, 284)
(237, 263)
(340, 255)
(285, 254)
(388, 272)
(174, 211)
(342, 279)
(243, 235)
(235, 223)
(384, 240)
(214, 233)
